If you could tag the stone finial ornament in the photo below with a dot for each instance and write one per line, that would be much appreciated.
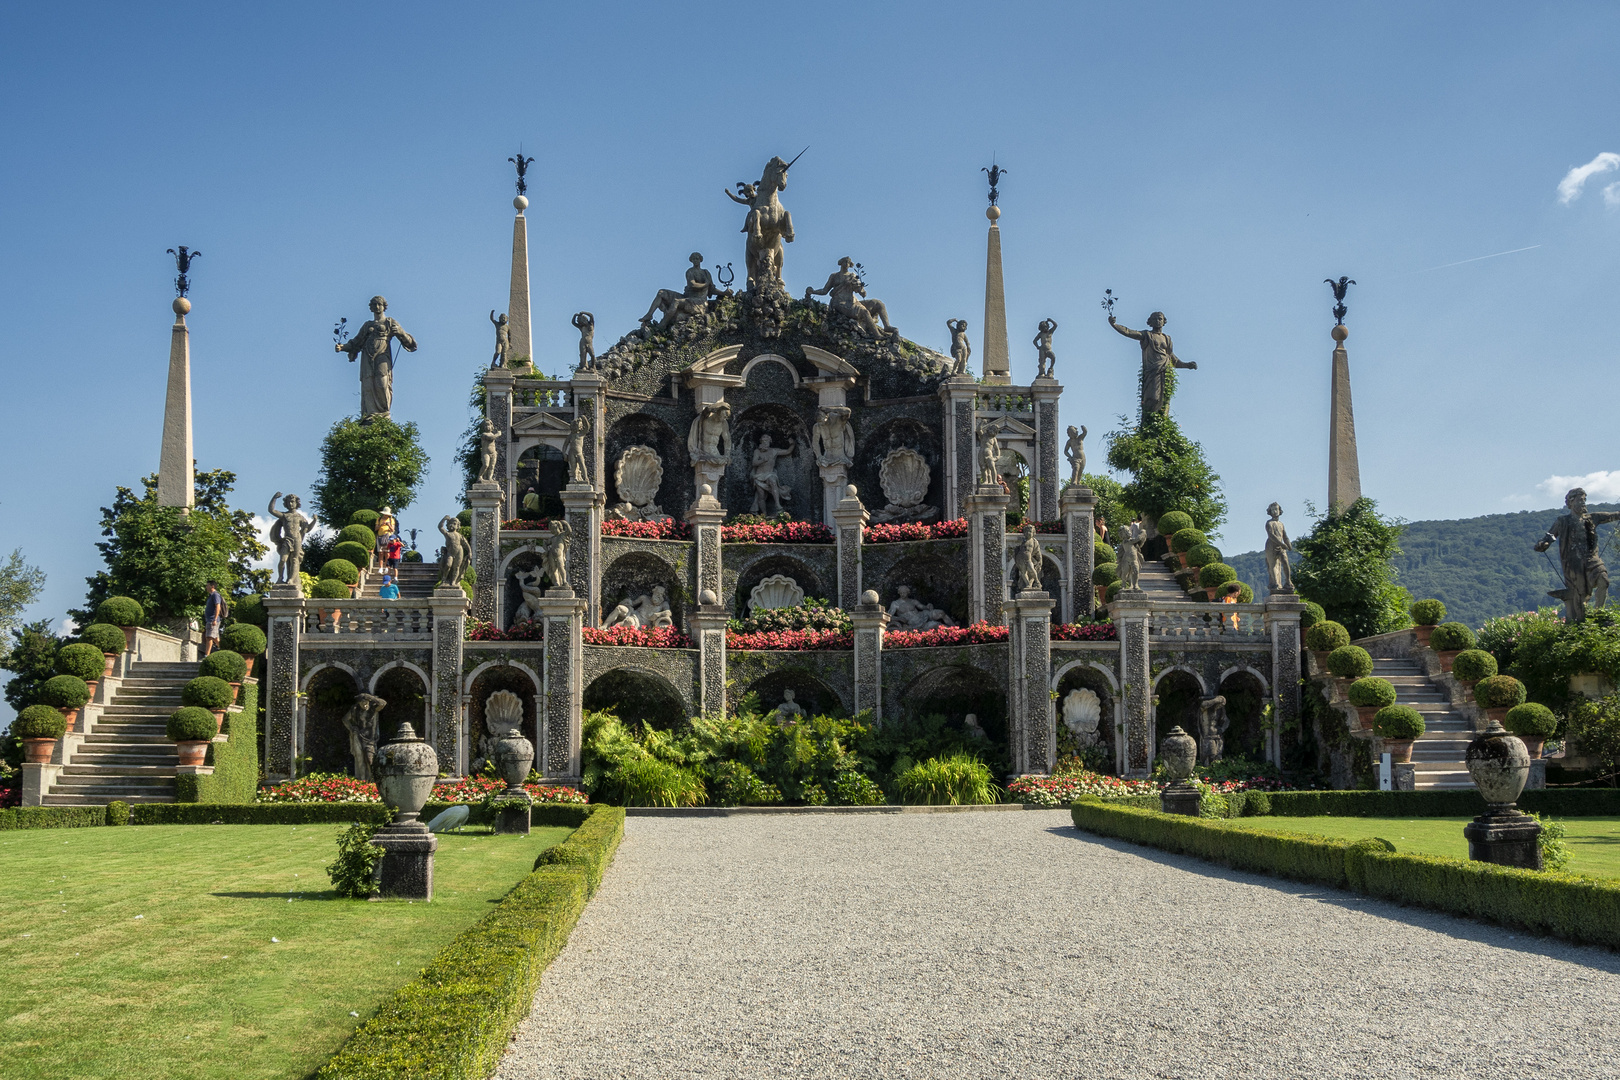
(487, 453)
(362, 723)
(288, 533)
(1075, 451)
(372, 346)
(708, 598)
(1045, 360)
(457, 552)
(1278, 570)
(1586, 579)
(1158, 359)
(961, 350)
(869, 597)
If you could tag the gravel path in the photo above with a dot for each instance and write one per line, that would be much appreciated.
(1012, 945)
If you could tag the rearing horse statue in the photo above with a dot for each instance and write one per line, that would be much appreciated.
(769, 224)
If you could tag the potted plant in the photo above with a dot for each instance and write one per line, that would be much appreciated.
(330, 589)
(1103, 576)
(1369, 694)
(210, 693)
(1472, 665)
(1497, 695)
(66, 692)
(1534, 724)
(227, 665)
(1213, 577)
(1449, 639)
(1323, 637)
(1427, 614)
(84, 661)
(1184, 541)
(109, 639)
(192, 729)
(1398, 726)
(1349, 662)
(340, 570)
(245, 640)
(1201, 555)
(123, 612)
(39, 726)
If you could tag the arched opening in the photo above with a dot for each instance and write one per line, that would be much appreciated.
(797, 569)
(1246, 701)
(636, 574)
(641, 429)
(1178, 694)
(903, 432)
(488, 681)
(541, 475)
(1093, 749)
(795, 472)
(637, 697)
(1014, 472)
(809, 693)
(934, 581)
(328, 696)
(934, 709)
(406, 695)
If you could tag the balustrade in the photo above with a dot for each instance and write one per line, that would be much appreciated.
(552, 396)
(393, 618)
(1173, 623)
(1014, 403)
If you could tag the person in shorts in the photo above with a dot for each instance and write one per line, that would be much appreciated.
(396, 552)
(213, 617)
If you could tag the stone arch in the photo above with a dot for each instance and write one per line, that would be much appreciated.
(900, 432)
(405, 689)
(809, 691)
(1088, 675)
(637, 696)
(484, 681)
(1177, 691)
(542, 469)
(377, 675)
(934, 580)
(1247, 694)
(769, 358)
(644, 429)
(953, 691)
(634, 574)
(797, 471)
(329, 690)
(753, 573)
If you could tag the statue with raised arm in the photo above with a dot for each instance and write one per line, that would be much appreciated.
(768, 224)
(503, 341)
(1045, 360)
(1586, 579)
(677, 306)
(1075, 451)
(372, 346)
(769, 491)
(1027, 561)
(1212, 725)
(487, 453)
(833, 438)
(843, 286)
(575, 449)
(1278, 570)
(960, 349)
(362, 723)
(1158, 359)
(555, 564)
(457, 553)
(989, 455)
(1129, 553)
(288, 533)
(585, 323)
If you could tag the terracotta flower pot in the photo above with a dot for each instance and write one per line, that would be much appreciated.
(192, 752)
(1399, 750)
(249, 670)
(90, 685)
(1366, 713)
(1423, 633)
(236, 692)
(38, 751)
(129, 638)
(1496, 716)
(1319, 661)
(219, 719)
(1533, 744)
(71, 716)
(112, 659)
(1446, 657)
(1213, 593)
(1102, 594)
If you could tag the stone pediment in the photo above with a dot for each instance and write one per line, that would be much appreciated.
(540, 423)
(1014, 429)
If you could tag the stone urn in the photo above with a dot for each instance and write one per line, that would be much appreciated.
(405, 769)
(513, 757)
(1179, 752)
(1500, 765)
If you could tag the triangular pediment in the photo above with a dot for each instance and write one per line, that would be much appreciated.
(541, 423)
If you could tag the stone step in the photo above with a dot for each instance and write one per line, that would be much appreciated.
(96, 764)
(119, 788)
(121, 768)
(102, 799)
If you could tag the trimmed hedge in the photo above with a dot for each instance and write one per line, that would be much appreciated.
(243, 639)
(1536, 721)
(356, 555)
(1102, 553)
(64, 692)
(1350, 662)
(235, 761)
(1187, 539)
(52, 817)
(1451, 636)
(455, 1019)
(340, 570)
(1472, 665)
(1398, 722)
(1214, 575)
(208, 692)
(120, 611)
(39, 722)
(1313, 614)
(329, 589)
(368, 518)
(82, 660)
(190, 723)
(1466, 802)
(223, 664)
(1325, 636)
(359, 535)
(1173, 521)
(1105, 573)
(1372, 692)
(104, 636)
(1499, 692)
(1428, 612)
(571, 815)
(1203, 555)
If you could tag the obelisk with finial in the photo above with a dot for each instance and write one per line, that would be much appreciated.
(175, 463)
(995, 364)
(1344, 470)
(518, 304)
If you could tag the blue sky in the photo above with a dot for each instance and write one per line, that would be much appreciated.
(1212, 161)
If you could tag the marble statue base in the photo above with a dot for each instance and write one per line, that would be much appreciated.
(1180, 798)
(1504, 836)
(512, 821)
(406, 870)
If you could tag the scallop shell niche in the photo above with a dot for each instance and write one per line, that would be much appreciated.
(638, 475)
(776, 591)
(904, 476)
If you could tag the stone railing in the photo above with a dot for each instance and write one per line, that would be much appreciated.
(526, 394)
(1005, 403)
(378, 618)
(1175, 622)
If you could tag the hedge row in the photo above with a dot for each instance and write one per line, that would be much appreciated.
(1466, 802)
(1575, 908)
(455, 1019)
(570, 815)
(52, 817)
(235, 761)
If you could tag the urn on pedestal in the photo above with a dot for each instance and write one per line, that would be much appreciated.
(405, 768)
(1500, 765)
(1180, 754)
(513, 755)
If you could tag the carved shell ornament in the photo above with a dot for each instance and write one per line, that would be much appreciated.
(639, 473)
(904, 476)
(776, 591)
(503, 714)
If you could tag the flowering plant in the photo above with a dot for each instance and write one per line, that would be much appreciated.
(776, 532)
(525, 524)
(1062, 789)
(888, 534)
(337, 787)
(652, 637)
(791, 639)
(472, 789)
(527, 630)
(1097, 631)
(812, 613)
(980, 633)
(667, 529)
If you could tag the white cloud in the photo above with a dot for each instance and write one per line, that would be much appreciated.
(67, 627)
(1570, 186)
(1601, 486)
(262, 525)
(1611, 194)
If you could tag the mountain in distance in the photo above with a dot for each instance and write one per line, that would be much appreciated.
(1478, 567)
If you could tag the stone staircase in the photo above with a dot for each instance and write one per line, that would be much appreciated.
(1437, 755)
(1159, 583)
(416, 581)
(127, 755)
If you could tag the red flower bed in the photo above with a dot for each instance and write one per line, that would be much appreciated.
(656, 637)
(888, 534)
(1041, 526)
(337, 787)
(668, 529)
(774, 532)
(525, 525)
(791, 639)
(527, 630)
(1097, 631)
(980, 633)
(471, 789)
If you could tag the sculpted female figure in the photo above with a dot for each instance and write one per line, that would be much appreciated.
(843, 285)
(1158, 358)
(371, 347)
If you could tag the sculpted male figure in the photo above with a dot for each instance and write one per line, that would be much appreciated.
(960, 349)
(1027, 561)
(585, 323)
(371, 347)
(457, 552)
(503, 341)
(1586, 579)
(833, 438)
(287, 533)
(574, 450)
(1075, 451)
(1158, 357)
(989, 455)
(769, 494)
(487, 455)
(843, 285)
(1129, 552)
(1045, 360)
(362, 723)
(710, 436)
(675, 306)
(1278, 570)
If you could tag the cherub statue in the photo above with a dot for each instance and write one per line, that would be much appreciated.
(1027, 561)
(487, 453)
(1129, 552)
(574, 450)
(1075, 451)
(960, 349)
(362, 722)
(555, 565)
(585, 323)
(457, 552)
(989, 455)
(1045, 361)
(503, 341)
(288, 533)
(1278, 571)
(529, 586)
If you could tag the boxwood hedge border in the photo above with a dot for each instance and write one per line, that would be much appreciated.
(571, 815)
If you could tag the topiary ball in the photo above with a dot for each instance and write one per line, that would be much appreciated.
(1111, 592)
(85, 661)
(1472, 665)
(207, 692)
(223, 664)
(64, 692)
(1531, 719)
(1173, 522)
(120, 611)
(243, 639)
(1326, 636)
(39, 722)
(1350, 662)
(1372, 692)
(368, 518)
(250, 609)
(413, 556)
(465, 517)
(1398, 722)
(1102, 553)
(1214, 575)
(1246, 594)
(1186, 540)
(1105, 574)
(1203, 555)
(340, 570)
(329, 589)
(1312, 615)
(1499, 692)
(1451, 636)
(363, 535)
(104, 636)
(1428, 612)
(192, 723)
(355, 554)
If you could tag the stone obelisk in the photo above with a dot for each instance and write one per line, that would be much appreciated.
(995, 364)
(175, 487)
(1344, 471)
(518, 305)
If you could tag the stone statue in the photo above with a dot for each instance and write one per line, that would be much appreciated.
(371, 346)
(585, 323)
(768, 224)
(1027, 561)
(529, 586)
(653, 608)
(574, 450)
(1212, 724)
(362, 722)
(487, 456)
(1082, 712)
(989, 455)
(908, 613)
(288, 533)
(843, 285)
(833, 437)
(709, 438)
(1278, 570)
(960, 349)
(503, 341)
(769, 491)
(1075, 451)
(556, 561)
(1129, 552)
(457, 552)
(789, 711)
(974, 729)
(677, 306)
(1586, 579)
(904, 476)
(1158, 357)
(637, 477)
(1045, 361)
(622, 615)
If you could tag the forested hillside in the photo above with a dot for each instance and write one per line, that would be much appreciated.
(1480, 567)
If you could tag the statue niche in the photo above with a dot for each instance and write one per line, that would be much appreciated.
(771, 463)
(904, 476)
(637, 477)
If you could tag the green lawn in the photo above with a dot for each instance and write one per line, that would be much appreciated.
(1594, 842)
(183, 951)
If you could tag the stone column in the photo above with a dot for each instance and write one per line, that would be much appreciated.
(1030, 734)
(987, 531)
(959, 397)
(1344, 470)
(449, 606)
(1079, 509)
(705, 516)
(993, 362)
(708, 626)
(1282, 624)
(1043, 494)
(286, 614)
(486, 501)
(498, 388)
(1134, 747)
(564, 615)
(870, 621)
(176, 485)
(583, 506)
(850, 518)
(517, 308)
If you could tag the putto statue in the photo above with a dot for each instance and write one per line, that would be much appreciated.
(362, 723)
(555, 566)
(574, 450)
(457, 553)
(487, 454)
(1045, 361)
(503, 341)
(833, 437)
(842, 287)
(768, 224)
(1158, 358)
(585, 323)
(1212, 724)
(1586, 579)
(989, 455)
(769, 491)
(960, 349)
(678, 306)
(1280, 573)
(1129, 552)
(372, 346)
(288, 533)
(530, 587)
(1075, 451)
(1027, 561)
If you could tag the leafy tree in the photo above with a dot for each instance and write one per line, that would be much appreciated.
(1109, 505)
(1168, 472)
(1346, 566)
(31, 658)
(20, 585)
(366, 466)
(165, 559)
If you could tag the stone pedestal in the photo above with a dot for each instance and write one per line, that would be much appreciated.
(37, 780)
(486, 501)
(1043, 493)
(1505, 836)
(512, 821)
(987, 532)
(1031, 732)
(1537, 780)
(498, 385)
(870, 622)
(849, 518)
(285, 608)
(708, 625)
(1134, 748)
(1282, 624)
(564, 615)
(705, 516)
(449, 606)
(406, 870)
(959, 396)
(1403, 776)
(1078, 507)
(583, 506)
(1180, 797)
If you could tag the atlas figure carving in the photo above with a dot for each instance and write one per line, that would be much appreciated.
(1075, 451)
(585, 323)
(503, 341)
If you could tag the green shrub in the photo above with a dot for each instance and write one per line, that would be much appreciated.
(64, 692)
(1554, 848)
(1350, 662)
(85, 661)
(1326, 636)
(118, 812)
(465, 517)
(223, 664)
(39, 722)
(1102, 553)
(651, 782)
(243, 639)
(1372, 692)
(853, 788)
(207, 692)
(1105, 574)
(120, 611)
(189, 723)
(412, 556)
(1214, 575)
(1173, 522)
(353, 871)
(1472, 665)
(1427, 612)
(355, 555)
(330, 589)
(53, 817)
(1203, 555)
(1398, 722)
(249, 610)
(1314, 614)
(1451, 636)
(366, 518)
(104, 636)
(1186, 540)
(1256, 804)
(359, 535)
(340, 570)
(1246, 594)
(1111, 592)
(731, 783)
(1499, 692)
(957, 780)
(1536, 721)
